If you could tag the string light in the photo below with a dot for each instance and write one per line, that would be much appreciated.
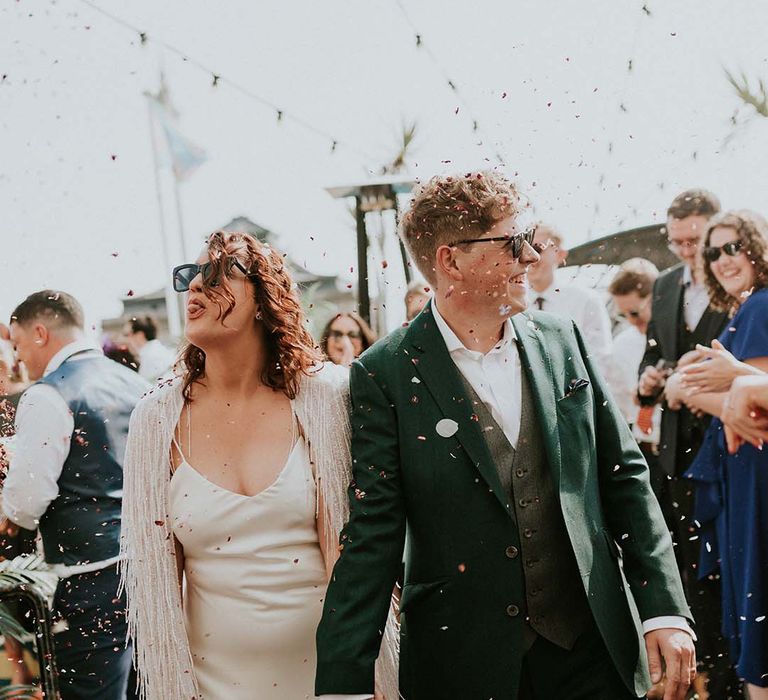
(218, 79)
(453, 86)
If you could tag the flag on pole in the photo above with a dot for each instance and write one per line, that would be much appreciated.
(186, 156)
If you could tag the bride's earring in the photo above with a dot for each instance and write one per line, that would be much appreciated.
(258, 315)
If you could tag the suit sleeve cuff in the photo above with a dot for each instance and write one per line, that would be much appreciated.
(668, 622)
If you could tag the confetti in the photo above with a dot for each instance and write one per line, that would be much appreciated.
(447, 427)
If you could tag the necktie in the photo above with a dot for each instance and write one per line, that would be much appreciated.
(539, 301)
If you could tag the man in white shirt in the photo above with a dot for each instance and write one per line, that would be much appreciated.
(476, 427)
(579, 304)
(155, 359)
(65, 479)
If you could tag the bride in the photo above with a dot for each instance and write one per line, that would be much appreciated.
(235, 491)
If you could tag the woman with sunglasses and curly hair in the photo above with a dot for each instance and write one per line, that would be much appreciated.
(732, 489)
(345, 337)
(236, 475)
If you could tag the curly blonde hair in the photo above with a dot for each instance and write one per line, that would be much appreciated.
(752, 230)
(292, 352)
(450, 207)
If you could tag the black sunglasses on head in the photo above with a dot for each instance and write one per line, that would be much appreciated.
(732, 248)
(184, 274)
(512, 244)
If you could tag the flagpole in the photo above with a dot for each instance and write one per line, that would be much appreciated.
(179, 217)
(171, 298)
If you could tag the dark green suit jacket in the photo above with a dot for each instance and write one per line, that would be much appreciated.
(458, 639)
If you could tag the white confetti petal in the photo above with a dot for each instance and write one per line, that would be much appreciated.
(447, 427)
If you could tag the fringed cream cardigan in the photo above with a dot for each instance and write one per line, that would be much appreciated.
(148, 568)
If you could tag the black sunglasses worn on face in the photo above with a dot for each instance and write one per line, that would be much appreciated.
(512, 244)
(338, 335)
(732, 248)
(184, 274)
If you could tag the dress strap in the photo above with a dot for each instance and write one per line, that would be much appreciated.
(175, 442)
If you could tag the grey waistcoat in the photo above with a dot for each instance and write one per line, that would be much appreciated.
(556, 605)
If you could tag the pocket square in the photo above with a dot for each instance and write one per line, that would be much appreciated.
(576, 385)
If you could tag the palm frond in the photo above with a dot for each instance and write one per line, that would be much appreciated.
(407, 137)
(757, 98)
(25, 570)
(19, 692)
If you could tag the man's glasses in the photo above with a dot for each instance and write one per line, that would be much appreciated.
(513, 245)
(338, 335)
(184, 274)
(732, 248)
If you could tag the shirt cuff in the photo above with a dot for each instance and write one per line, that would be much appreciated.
(668, 622)
(346, 697)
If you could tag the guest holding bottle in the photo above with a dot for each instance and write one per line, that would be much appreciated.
(732, 489)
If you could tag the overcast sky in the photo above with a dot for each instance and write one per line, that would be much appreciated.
(602, 110)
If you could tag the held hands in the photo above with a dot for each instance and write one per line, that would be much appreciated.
(714, 371)
(745, 412)
(674, 392)
(675, 648)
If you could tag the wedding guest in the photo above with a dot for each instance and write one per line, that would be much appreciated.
(66, 479)
(344, 337)
(236, 480)
(571, 301)
(681, 317)
(155, 359)
(485, 443)
(416, 296)
(14, 540)
(13, 381)
(732, 489)
(631, 290)
(120, 352)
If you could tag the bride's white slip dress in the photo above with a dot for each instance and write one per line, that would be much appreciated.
(254, 581)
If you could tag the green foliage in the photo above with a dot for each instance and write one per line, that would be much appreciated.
(757, 98)
(19, 692)
(23, 570)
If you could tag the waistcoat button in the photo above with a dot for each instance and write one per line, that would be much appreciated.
(511, 551)
(513, 610)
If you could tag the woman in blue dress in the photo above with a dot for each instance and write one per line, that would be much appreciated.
(732, 489)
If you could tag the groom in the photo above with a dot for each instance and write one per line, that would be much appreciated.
(488, 436)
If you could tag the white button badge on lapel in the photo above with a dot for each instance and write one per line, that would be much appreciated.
(447, 427)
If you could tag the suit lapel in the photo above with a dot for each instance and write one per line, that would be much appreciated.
(440, 375)
(537, 366)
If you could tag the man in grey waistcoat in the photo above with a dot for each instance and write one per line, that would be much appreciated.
(66, 478)
(538, 564)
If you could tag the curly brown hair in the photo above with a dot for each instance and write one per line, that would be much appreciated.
(752, 230)
(450, 207)
(291, 350)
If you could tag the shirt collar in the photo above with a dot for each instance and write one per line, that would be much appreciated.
(454, 345)
(67, 351)
(688, 279)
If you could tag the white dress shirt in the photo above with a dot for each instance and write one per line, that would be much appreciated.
(695, 299)
(628, 350)
(44, 427)
(584, 307)
(155, 359)
(496, 377)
